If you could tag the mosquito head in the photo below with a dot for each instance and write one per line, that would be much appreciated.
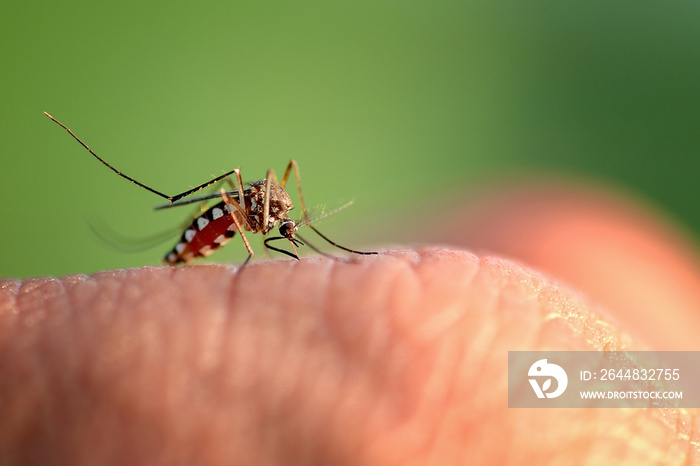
(288, 228)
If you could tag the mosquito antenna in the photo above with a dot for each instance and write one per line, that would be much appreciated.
(317, 250)
(364, 253)
(322, 215)
(138, 183)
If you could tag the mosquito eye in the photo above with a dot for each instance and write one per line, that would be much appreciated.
(287, 228)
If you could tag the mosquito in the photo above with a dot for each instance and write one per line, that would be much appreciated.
(257, 208)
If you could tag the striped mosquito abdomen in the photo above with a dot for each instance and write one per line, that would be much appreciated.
(208, 232)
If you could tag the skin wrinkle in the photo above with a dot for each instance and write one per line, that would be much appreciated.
(376, 346)
(32, 302)
(217, 320)
(80, 291)
(324, 334)
(266, 342)
(9, 290)
(22, 407)
(177, 343)
(384, 344)
(423, 346)
(346, 394)
(279, 409)
(352, 377)
(206, 328)
(200, 308)
(465, 385)
(271, 329)
(57, 332)
(487, 329)
(8, 311)
(110, 287)
(392, 419)
(284, 406)
(474, 361)
(174, 336)
(445, 375)
(234, 378)
(435, 325)
(412, 354)
(53, 293)
(110, 357)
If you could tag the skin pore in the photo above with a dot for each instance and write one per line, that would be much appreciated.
(392, 359)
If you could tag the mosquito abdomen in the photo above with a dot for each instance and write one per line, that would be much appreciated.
(207, 233)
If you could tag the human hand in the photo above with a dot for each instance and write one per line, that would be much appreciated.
(395, 359)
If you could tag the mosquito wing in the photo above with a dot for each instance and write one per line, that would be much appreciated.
(128, 244)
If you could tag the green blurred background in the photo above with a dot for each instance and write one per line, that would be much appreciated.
(376, 100)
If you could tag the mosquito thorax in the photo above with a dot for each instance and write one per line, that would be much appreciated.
(280, 204)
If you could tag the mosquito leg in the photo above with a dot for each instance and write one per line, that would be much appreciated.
(245, 262)
(227, 199)
(271, 183)
(293, 164)
(202, 207)
(266, 206)
(225, 177)
(241, 194)
(177, 197)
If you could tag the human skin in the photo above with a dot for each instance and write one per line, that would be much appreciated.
(399, 358)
